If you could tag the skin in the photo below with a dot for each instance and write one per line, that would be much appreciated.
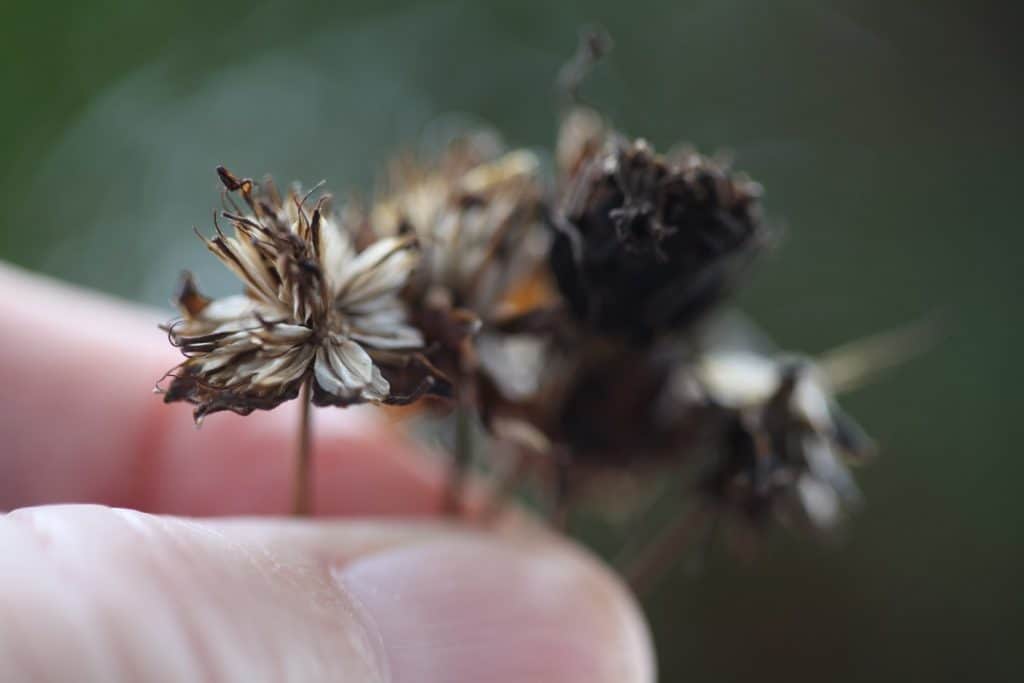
(140, 548)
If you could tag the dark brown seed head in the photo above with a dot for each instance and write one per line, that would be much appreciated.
(647, 244)
(778, 455)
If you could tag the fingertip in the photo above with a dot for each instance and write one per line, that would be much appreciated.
(132, 594)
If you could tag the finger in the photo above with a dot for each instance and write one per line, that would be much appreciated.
(80, 423)
(129, 596)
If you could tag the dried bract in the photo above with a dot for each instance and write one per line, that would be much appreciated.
(313, 309)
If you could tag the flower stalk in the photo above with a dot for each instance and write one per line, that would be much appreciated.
(462, 457)
(302, 491)
(654, 560)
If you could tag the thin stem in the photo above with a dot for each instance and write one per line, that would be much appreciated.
(504, 485)
(561, 498)
(659, 554)
(302, 503)
(462, 457)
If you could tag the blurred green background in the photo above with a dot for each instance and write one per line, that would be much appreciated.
(887, 135)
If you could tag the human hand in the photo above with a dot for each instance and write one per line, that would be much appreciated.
(89, 592)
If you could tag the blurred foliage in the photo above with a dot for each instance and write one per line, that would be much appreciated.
(887, 135)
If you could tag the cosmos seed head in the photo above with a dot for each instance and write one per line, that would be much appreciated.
(781, 438)
(470, 212)
(646, 243)
(475, 210)
(314, 308)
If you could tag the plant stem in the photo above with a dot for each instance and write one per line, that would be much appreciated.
(463, 457)
(505, 485)
(302, 503)
(659, 554)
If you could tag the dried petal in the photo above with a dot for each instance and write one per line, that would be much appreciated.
(328, 379)
(336, 253)
(381, 269)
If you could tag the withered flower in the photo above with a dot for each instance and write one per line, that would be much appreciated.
(313, 310)
(768, 443)
(646, 243)
(781, 441)
(318, 317)
(757, 438)
(476, 215)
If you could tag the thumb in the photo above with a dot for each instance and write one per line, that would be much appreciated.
(125, 596)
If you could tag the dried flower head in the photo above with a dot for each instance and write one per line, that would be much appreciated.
(314, 309)
(476, 212)
(476, 215)
(780, 440)
(646, 243)
(761, 434)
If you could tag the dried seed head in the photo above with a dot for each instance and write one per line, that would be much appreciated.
(646, 244)
(471, 214)
(779, 441)
(313, 307)
(761, 435)
(476, 213)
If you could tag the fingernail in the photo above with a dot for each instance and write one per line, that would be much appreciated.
(478, 609)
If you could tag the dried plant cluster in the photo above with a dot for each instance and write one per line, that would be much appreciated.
(622, 374)
(572, 310)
